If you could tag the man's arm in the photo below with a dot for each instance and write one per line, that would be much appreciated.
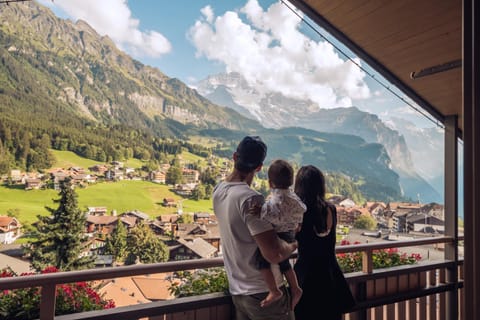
(273, 248)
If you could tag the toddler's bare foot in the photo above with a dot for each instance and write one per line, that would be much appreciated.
(296, 295)
(271, 298)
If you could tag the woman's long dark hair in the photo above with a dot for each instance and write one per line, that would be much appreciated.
(310, 188)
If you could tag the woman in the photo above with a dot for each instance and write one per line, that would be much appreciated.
(326, 294)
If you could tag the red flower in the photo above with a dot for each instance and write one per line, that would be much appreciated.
(50, 269)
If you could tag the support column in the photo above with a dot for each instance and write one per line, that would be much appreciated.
(451, 210)
(471, 139)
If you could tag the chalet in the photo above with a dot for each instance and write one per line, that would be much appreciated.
(434, 209)
(101, 224)
(190, 231)
(160, 229)
(140, 216)
(81, 178)
(16, 176)
(10, 229)
(168, 218)
(192, 249)
(169, 202)
(33, 183)
(58, 178)
(347, 216)
(157, 176)
(114, 174)
(128, 221)
(99, 168)
(375, 208)
(204, 218)
(190, 175)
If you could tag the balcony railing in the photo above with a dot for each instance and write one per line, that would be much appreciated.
(422, 291)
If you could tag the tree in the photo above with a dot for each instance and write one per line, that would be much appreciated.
(365, 222)
(116, 244)
(199, 192)
(200, 282)
(144, 245)
(60, 239)
(174, 175)
(185, 218)
(208, 191)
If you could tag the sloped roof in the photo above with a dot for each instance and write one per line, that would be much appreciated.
(101, 220)
(201, 247)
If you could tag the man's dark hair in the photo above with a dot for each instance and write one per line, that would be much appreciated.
(251, 152)
(280, 174)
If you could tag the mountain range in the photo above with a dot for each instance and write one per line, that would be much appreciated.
(65, 74)
(274, 110)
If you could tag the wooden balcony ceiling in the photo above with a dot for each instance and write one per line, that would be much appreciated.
(403, 36)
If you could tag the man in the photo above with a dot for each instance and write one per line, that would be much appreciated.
(242, 231)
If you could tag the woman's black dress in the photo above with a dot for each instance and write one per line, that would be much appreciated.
(326, 294)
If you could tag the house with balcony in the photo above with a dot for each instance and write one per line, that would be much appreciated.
(157, 176)
(10, 229)
(33, 183)
(190, 176)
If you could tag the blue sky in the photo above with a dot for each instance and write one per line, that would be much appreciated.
(261, 39)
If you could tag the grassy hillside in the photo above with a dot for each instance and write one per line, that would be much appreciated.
(120, 196)
(67, 159)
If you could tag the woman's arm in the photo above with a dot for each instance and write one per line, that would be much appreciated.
(329, 225)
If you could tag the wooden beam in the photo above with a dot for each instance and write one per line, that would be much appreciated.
(451, 210)
(471, 139)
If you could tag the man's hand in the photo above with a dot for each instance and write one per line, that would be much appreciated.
(273, 248)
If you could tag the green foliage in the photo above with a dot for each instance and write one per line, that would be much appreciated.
(199, 192)
(340, 184)
(365, 222)
(174, 175)
(185, 218)
(199, 282)
(59, 239)
(116, 243)
(144, 245)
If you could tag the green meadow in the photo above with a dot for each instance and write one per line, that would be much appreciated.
(120, 196)
(67, 159)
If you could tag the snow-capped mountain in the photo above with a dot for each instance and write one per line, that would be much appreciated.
(275, 110)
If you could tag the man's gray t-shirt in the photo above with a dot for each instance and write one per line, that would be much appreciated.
(231, 203)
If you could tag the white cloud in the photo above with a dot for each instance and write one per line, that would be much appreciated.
(114, 18)
(268, 49)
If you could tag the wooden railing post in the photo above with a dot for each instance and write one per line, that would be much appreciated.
(47, 302)
(367, 261)
(451, 212)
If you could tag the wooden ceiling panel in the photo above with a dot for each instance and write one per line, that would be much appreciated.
(404, 36)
